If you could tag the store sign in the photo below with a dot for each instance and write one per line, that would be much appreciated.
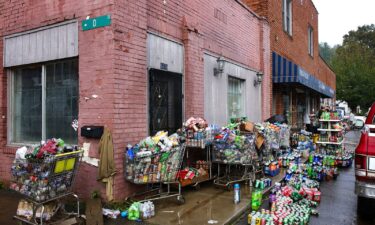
(101, 21)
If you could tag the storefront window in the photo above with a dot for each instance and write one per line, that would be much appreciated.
(236, 97)
(36, 118)
(286, 106)
(27, 105)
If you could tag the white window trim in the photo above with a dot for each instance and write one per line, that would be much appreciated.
(243, 94)
(310, 36)
(287, 10)
(10, 98)
(10, 123)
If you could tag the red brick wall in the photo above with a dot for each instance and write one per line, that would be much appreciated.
(130, 84)
(295, 47)
(113, 62)
(224, 27)
(221, 27)
(95, 69)
(259, 6)
(266, 65)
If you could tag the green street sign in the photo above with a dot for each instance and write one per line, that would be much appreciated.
(97, 22)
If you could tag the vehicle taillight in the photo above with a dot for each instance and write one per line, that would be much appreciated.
(360, 162)
(360, 167)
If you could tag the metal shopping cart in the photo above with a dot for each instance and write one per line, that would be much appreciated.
(45, 181)
(238, 158)
(154, 170)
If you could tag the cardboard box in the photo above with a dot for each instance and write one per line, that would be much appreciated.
(247, 126)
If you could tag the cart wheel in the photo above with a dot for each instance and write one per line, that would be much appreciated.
(197, 187)
(180, 199)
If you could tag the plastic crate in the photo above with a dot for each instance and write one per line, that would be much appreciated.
(272, 173)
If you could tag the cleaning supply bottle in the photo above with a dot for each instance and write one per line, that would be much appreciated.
(237, 194)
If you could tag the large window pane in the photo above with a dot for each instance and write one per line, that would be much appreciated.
(27, 105)
(62, 100)
(235, 98)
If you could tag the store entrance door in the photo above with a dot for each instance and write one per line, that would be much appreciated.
(165, 101)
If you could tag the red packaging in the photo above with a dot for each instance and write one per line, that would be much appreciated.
(302, 191)
(309, 194)
(317, 196)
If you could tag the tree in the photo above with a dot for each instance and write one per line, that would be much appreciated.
(354, 63)
(326, 52)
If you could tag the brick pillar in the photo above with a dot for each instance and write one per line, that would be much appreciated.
(194, 70)
(265, 65)
(130, 85)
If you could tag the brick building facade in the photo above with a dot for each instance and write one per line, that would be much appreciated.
(300, 75)
(103, 74)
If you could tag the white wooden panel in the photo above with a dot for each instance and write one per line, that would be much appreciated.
(43, 44)
(161, 50)
(216, 92)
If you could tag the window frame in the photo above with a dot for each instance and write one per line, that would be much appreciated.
(243, 95)
(10, 101)
(310, 40)
(287, 16)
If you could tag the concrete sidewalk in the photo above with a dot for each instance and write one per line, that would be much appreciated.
(8, 205)
(207, 204)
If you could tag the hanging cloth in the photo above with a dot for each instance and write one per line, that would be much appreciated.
(107, 163)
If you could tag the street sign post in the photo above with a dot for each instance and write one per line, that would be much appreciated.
(96, 22)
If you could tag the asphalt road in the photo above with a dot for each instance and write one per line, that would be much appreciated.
(339, 203)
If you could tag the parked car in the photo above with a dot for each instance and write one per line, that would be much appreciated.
(359, 122)
(365, 162)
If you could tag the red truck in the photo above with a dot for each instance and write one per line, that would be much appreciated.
(365, 160)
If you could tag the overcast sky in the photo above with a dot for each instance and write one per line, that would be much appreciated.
(338, 17)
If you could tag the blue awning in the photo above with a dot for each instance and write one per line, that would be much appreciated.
(285, 71)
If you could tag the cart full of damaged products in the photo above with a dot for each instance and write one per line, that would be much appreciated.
(45, 183)
(237, 156)
(156, 167)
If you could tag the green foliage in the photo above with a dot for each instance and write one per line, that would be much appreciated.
(1, 185)
(327, 52)
(354, 63)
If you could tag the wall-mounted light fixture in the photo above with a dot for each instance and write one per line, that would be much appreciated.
(220, 66)
(258, 79)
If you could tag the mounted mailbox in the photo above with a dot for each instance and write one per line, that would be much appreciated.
(92, 131)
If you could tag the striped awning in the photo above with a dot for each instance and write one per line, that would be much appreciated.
(285, 71)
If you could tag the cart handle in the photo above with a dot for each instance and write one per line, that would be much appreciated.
(69, 153)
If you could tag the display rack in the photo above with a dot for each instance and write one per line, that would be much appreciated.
(328, 132)
(331, 141)
(189, 152)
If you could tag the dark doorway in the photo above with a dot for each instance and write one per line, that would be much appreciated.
(165, 101)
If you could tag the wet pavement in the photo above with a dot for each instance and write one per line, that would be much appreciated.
(209, 204)
(339, 203)
(8, 207)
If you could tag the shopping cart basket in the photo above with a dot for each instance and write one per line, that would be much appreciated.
(238, 159)
(155, 169)
(42, 181)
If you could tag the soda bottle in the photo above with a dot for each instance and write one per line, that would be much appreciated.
(237, 194)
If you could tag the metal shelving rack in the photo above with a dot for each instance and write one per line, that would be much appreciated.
(330, 131)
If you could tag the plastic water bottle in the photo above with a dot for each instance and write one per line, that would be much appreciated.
(237, 194)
